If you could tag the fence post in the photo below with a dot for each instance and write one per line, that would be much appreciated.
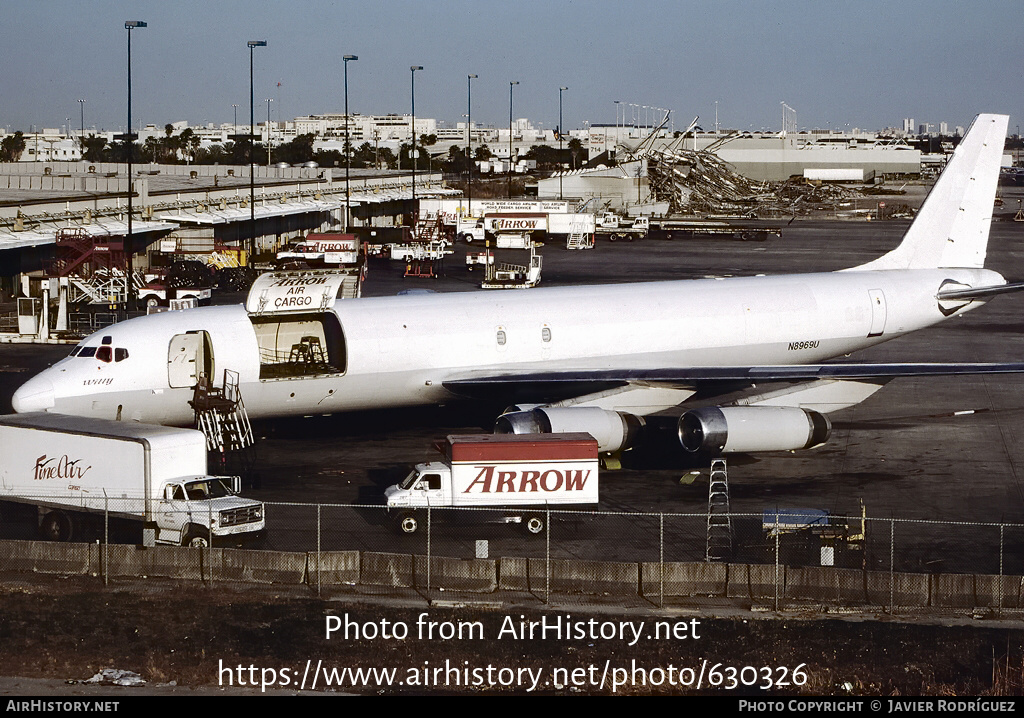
(318, 557)
(106, 538)
(776, 558)
(547, 556)
(661, 559)
(999, 606)
(428, 551)
(209, 547)
(892, 562)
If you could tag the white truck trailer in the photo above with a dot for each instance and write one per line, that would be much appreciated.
(77, 471)
(321, 249)
(517, 475)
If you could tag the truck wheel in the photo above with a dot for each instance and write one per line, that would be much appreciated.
(534, 524)
(56, 526)
(408, 523)
(195, 539)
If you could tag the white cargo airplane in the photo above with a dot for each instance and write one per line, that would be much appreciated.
(595, 359)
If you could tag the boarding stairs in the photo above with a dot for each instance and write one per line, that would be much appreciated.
(719, 545)
(94, 265)
(101, 287)
(578, 237)
(427, 227)
(429, 243)
(220, 414)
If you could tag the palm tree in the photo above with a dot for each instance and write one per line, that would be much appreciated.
(12, 147)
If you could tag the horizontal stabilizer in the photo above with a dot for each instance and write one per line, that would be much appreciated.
(980, 292)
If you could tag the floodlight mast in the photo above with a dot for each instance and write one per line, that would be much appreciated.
(129, 248)
(412, 127)
(252, 155)
(348, 145)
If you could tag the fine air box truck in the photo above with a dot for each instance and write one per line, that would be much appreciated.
(78, 470)
(518, 475)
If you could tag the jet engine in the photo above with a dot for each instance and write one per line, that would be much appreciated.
(724, 429)
(613, 430)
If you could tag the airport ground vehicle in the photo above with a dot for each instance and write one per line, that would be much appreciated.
(549, 225)
(77, 470)
(187, 279)
(417, 251)
(470, 229)
(156, 294)
(481, 259)
(520, 474)
(613, 227)
(323, 250)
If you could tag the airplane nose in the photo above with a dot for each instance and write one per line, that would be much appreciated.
(34, 395)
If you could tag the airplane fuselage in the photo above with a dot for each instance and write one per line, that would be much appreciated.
(398, 351)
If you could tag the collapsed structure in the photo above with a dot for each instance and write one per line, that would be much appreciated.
(701, 182)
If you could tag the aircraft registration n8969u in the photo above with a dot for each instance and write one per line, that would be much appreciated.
(298, 351)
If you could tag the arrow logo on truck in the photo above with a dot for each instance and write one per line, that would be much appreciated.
(550, 481)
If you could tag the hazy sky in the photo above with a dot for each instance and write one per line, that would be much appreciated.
(865, 64)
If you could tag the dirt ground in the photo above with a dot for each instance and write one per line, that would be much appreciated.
(184, 638)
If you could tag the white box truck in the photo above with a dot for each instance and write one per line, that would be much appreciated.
(77, 470)
(519, 474)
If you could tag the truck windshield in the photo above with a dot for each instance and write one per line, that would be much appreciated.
(207, 489)
(410, 480)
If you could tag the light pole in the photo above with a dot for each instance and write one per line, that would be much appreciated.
(469, 138)
(412, 152)
(617, 103)
(560, 173)
(81, 105)
(252, 156)
(268, 132)
(235, 108)
(129, 299)
(348, 146)
(510, 86)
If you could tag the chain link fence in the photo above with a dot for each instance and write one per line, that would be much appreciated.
(770, 559)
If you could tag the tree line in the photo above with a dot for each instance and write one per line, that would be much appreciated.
(185, 148)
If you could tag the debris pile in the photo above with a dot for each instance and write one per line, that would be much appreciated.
(116, 677)
(700, 182)
(694, 181)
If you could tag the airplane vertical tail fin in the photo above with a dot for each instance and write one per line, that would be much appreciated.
(951, 229)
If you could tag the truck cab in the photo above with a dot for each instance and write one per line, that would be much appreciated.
(426, 485)
(198, 508)
(470, 229)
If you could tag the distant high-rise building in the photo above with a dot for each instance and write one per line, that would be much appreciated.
(908, 125)
(943, 128)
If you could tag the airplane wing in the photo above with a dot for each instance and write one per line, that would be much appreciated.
(726, 378)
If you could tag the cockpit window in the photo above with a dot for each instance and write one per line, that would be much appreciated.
(105, 353)
(87, 352)
(74, 352)
(120, 354)
(107, 340)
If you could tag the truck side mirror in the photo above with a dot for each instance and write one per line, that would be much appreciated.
(169, 492)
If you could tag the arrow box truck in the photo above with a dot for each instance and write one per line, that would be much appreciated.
(77, 471)
(517, 475)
